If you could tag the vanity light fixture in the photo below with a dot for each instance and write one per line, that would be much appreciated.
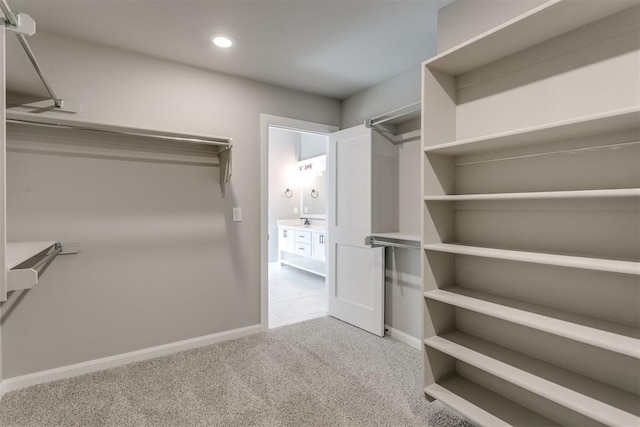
(221, 40)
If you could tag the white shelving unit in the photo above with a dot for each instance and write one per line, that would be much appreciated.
(399, 236)
(560, 385)
(488, 409)
(26, 260)
(611, 336)
(531, 200)
(608, 265)
(538, 195)
(609, 121)
(19, 252)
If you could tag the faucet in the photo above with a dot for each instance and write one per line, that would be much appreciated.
(306, 221)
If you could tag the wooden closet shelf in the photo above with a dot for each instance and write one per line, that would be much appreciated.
(19, 252)
(609, 121)
(539, 195)
(556, 17)
(482, 406)
(598, 333)
(576, 392)
(585, 263)
(399, 236)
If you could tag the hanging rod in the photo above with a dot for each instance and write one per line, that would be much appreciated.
(14, 21)
(392, 115)
(371, 240)
(217, 141)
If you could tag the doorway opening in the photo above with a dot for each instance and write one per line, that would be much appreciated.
(297, 216)
(294, 285)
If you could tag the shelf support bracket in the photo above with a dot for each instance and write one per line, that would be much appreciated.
(25, 25)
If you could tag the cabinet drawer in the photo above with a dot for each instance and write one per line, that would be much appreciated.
(303, 249)
(303, 237)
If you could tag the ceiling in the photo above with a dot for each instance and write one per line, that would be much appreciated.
(334, 48)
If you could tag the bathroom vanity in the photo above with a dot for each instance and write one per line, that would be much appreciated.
(302, 246)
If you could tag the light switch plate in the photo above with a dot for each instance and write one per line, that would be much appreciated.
(237, 214)
(295, 209)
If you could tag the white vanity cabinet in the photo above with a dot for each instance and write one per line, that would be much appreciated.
(303, 247)
(286, 238)
(318, 246)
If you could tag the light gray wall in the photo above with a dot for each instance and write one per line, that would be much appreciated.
(312, 145)
(462, 20)
(396, 92)
(284, 146)
(161, 260)
(403, 291)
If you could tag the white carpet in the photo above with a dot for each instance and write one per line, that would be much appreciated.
(322, 372)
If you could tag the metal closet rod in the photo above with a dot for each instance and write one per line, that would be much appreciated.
(220, 141)
(378, 120)
(13, 21)
(375, 242)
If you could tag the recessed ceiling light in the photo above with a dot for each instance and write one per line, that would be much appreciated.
(221, 40)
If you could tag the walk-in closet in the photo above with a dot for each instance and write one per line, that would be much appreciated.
(311, 213)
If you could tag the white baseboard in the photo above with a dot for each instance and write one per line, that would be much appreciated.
(404, 337)
(17, 383)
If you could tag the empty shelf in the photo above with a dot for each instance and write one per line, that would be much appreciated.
(616, 120)
(586, 263)
(556, 17)
(25, 276)
(580, 394)
(606, 335)
(17, 253)
(539, 195)
(399, 236)
(482, 406)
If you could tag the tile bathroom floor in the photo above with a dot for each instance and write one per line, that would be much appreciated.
(294, 295)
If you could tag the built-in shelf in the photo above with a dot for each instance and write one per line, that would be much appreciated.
(540, 195)
(25, 261)
(606, 335)
(399, 236)
(482, 406)
(498, 164)
(19, 252)
(617, 120)
(151, 143)
(578, 393)
(555, 17)
(585, 263)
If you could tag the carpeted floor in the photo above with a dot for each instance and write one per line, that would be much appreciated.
(321, 372)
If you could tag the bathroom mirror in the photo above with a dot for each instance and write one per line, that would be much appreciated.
(313, 193)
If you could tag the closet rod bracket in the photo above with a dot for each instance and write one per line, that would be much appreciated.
(63, 106)
(24, 24)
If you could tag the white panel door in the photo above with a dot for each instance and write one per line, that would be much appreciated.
(356, 271)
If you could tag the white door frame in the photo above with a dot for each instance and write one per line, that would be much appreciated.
(267, 120)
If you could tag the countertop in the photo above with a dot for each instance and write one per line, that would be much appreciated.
(297, 224)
